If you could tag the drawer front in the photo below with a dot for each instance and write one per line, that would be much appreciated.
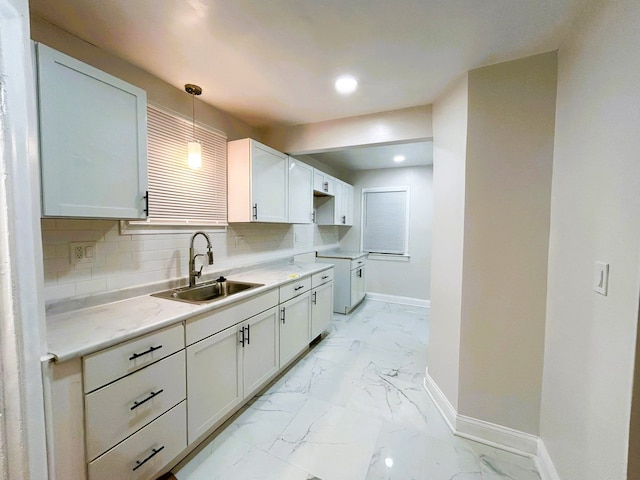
(145, 453)
(123, 407)
(321, 277)
(358, 263)
(108, 365)
(206, 325)
(294, 288)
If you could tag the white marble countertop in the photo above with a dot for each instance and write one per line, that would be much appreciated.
(349, 255)
(80, 332)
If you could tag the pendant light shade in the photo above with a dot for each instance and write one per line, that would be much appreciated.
(194, 148)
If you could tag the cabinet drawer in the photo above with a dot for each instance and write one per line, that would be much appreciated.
(321, 277)
(295, 288)
(206, 325)
(358, 263)
(145, 453)
(108, 365)
(123, 407)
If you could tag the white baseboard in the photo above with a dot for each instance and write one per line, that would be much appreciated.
(546, 469)
(497, 436)
(414, 302)
(442, 402)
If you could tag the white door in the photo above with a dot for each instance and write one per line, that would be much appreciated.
(300, 192)
(260, 351)
(294, 326)
(321, 308)
(269, 186)
(93, 140)
(214, 380)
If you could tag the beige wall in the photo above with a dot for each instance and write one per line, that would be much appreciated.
(506, 231)
(449, 159)
(404, 125)
(404, 279)
(590, 338)
(158, 91)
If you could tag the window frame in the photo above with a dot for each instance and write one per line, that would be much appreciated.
(404, 256)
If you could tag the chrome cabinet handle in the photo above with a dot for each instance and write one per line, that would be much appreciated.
(298, 287)
(137, 355)
(315, 297)
(242, 337)
(248, 334)
(255, 211)
(146, 203)
(282, 317)
(324, 277)
(136, 404)
(360, 273)
(154, 452)
(325, 186)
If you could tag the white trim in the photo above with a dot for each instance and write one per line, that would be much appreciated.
(443, 404)
(496, 436)
(414, 302)
(145, 227)
(545, 466)
(388, 257)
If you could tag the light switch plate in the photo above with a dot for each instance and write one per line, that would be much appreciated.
(601, 278)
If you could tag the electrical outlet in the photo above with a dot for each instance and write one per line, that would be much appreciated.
(82, 252)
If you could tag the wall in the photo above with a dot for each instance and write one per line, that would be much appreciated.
(404, 125)
(128, 260)
(404, 279)
(590, 339)
(506, 231)
(449, 159)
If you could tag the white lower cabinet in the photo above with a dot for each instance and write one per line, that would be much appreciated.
(294, 326)
(145, 453)
(225, 368)
(321, 308)
(214, 383)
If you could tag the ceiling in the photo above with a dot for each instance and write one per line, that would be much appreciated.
(370, 158)
(273, 63)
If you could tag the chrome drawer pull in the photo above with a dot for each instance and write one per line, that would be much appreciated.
(137, 355)
(315, 298)
(299, 287)
(324, 277)
(154, 452)
(136, 404)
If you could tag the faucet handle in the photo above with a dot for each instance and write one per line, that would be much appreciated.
(221, 279)
(197, 273)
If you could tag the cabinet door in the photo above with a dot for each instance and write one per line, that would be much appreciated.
(321, 308)
(261, 359)
(323, 183)
(93, 140)
(214, 380)
(357, 285)
(347, 204)
(294, 326)
(300, 192)
(269, 185)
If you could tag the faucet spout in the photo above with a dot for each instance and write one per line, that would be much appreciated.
(193, 273)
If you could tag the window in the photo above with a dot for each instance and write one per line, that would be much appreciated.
(385, 220)
(178, 195)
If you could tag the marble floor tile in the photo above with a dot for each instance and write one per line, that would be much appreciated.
(353, 408)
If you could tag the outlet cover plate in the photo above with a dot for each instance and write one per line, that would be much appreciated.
(78, 252)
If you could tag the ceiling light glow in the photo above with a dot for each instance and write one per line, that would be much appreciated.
(346, 84)
(399, 158)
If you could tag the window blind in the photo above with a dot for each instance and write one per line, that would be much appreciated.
(385, 220)
(179, 195)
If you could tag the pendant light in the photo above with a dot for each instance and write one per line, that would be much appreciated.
(194, 147)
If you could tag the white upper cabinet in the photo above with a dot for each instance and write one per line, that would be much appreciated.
(323, 182)
(345, 204)
(300, 192)
(336, 210)
(257, 183)
(93, 140)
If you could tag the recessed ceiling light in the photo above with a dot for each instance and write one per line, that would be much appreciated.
(346, 84)
(399, 158)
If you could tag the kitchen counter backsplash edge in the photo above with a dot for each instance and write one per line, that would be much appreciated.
(76, 333)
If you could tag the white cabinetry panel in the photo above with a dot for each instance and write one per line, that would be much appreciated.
(300, 192)
(294, 326)
(93, 140)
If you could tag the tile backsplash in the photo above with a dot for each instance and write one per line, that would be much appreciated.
(128, 260)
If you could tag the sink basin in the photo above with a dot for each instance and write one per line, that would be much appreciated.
(206, 292)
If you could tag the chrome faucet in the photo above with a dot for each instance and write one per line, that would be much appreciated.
(193, 273)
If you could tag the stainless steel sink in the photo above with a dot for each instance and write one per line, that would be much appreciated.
(206, 292)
